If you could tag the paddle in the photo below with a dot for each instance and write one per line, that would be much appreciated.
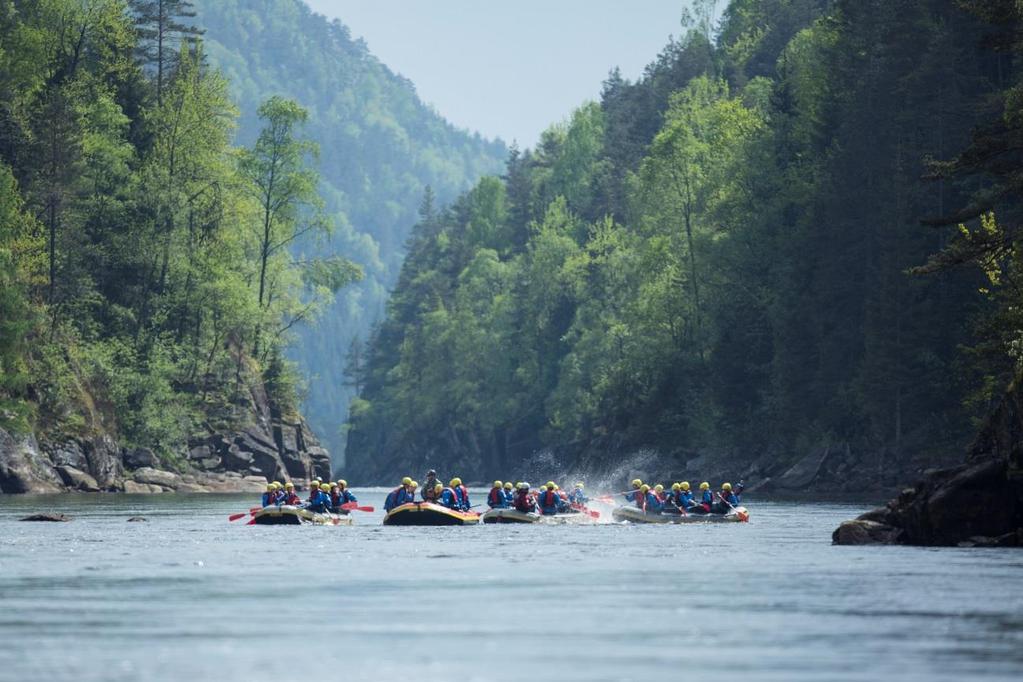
(354, 506)
(235, 517)
(584, 510)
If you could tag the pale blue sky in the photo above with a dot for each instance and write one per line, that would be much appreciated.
(509, 68)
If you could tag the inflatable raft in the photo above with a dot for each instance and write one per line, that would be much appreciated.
(516, 516)
(509, 515)
(429, 514)
(293, 516)
(635, 515)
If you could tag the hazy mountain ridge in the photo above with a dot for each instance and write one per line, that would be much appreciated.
(380, 147)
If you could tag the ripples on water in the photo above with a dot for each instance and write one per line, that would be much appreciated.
(189, 596)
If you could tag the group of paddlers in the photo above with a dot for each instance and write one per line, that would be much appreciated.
(548, 499)
(329, 496)
(681, 500)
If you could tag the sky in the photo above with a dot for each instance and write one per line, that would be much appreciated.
(509, 68)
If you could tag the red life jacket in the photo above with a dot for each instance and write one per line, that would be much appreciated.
(495, 497)
(335, 498)
(463, 493)
(524, 502)
(292, 498)
(549, 499)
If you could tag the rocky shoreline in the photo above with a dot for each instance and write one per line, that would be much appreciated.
(223, 462)
(975, 504)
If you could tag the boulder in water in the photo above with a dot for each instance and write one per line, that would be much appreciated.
(50, 516)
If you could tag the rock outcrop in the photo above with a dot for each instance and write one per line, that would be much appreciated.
(978, 503)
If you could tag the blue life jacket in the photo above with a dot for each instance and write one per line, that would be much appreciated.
(318, 503)
(347, 497)
(653, 503)
(496, 498)
(396, 498)
(707, 498)
(509, 497)
(462, 493)
(549, 502)
(730, 498)
(685, 498)
(449, 498)
(578, 497)
(269, 499)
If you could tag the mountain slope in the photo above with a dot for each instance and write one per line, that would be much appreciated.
(380, 147)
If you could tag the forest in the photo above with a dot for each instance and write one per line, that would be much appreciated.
(382, 146)
(797, 230)
(149, 267)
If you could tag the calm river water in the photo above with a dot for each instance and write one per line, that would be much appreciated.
(189, 596)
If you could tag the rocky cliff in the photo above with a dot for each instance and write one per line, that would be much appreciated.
(977, 503)
(240, 447)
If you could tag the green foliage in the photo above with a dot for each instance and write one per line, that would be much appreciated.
(714, 259)
(382, 146)
(158, 255)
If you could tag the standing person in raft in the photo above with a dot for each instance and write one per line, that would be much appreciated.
(429, 486)
(400, 495)
(496, 498)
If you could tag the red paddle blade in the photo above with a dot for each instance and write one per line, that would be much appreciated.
(235, 517)
(365, 509)
(251, 523)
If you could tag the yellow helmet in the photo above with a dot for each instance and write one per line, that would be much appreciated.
(705, 486)
(658, 488)
(318, 480)
(439, 487)
(518, 484)
(636, 483)
(289, 485)
(580, 486)
(550, 485)
(498, 484)
(455, 481)
(676, 487)
(556, 487)
(508, 485)
(270, 487)
(324, 487)
(644, 488)
(406, 481)
(342, 483)
(726, 486)
(415, 484)
(314, 484)
(277, 484)
(684, 485)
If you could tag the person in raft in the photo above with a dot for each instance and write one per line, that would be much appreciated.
(270, 496)
(345, 495)
(289, 495)
(655, 500)
(509, 492)
(685, 496)
(462, 492)
(726, 500)
(429, 486)
(524, 500)
(550, 502)
(634, 495)
(400, 495)
(706, 500)
(314, 489)
(496, 498)
(577, 496)
(446, 497)
(319, 500)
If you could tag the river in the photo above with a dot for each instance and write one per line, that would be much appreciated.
(189, 596)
